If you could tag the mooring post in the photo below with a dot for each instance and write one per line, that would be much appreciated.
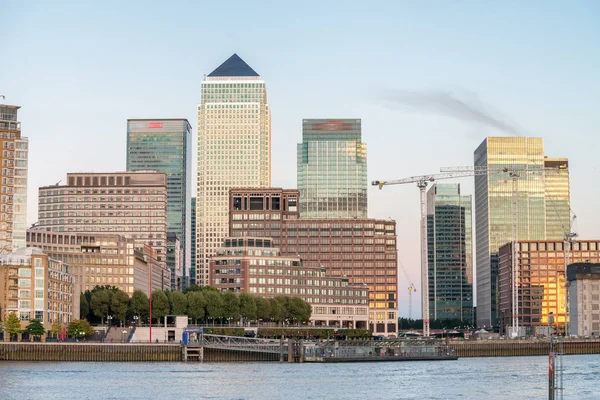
(301, 359)
(290, 350)
(281, 349)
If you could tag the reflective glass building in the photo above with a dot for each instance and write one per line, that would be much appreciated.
(450, 253)
(332, 169)
(542, 201)
(165, 145)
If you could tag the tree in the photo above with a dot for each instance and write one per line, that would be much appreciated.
(100, 303)
(118, 305)
(79, 327)
(278, 311)
(231, 306)
(248, 309)
(35, 328)
(214, 304)
(56, 328)
(296, 310)
(84, 306)
(12, 324)
(196, 305)
(263, 308)
(160, 304)
(139, 304)
(192, 288)
(179, 303)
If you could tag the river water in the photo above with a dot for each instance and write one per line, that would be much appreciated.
(466, 378)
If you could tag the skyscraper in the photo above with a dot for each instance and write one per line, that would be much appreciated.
(494, 211)
(450, 253)
(13, 186)
(332, 169)
(192, 277)
(234, 150)
(165, 145)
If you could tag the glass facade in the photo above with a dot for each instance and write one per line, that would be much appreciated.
(332, 169)
(234, 150)
(164, 145)
(450, 253)
(494, 211)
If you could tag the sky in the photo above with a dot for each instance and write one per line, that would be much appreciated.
(429, 79)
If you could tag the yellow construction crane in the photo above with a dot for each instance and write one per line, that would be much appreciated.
(411, 288)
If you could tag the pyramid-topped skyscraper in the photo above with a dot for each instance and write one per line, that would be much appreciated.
(234, 150)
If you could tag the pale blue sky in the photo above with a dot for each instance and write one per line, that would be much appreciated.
(80, 69)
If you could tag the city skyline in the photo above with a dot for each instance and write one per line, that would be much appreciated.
(402, 141)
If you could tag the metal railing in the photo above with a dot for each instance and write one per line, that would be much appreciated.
(242, 344)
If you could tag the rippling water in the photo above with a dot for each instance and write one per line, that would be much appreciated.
(467, 378)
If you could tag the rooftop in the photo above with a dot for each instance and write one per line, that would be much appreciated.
(234, 66)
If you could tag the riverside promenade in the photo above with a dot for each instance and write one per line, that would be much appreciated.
(160, 352)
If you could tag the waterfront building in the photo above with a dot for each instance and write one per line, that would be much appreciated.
(175, 261)
(165, 145)
(450, 252)
(584, 298)
(253, 265)
(36, 286)
(193, 242)
(540, 206)
(362, 250)
(101, 259)
(540, 279)
(332, 169)
(131, 204)
(234, 149)
(13, 185)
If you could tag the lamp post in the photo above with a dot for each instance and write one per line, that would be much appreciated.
(108, 320)
(135, 320)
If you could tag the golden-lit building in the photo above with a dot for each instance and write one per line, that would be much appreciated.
(542, 199)
(36, 286)
(101, 259)
(13, 184)
(541, 279)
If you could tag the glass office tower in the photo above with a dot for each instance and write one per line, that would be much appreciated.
(165, 145)
(332, 169)
(234, 150)
(494, 211)
(450, 253)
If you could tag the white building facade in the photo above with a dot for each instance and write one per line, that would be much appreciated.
(234, 150)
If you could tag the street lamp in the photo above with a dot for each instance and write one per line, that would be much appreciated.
(108, 319)
(135, 320)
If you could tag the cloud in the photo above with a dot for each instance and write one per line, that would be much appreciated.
(471, 111)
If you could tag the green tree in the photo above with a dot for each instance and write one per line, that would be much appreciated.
(296, 310)
(263, 308)
(248, 309)
(139, 304)
(84, 306)
(278, 310)
(231, 306)
(79, 328)
(35, 328)
(192, 288)
(214, 304)
(118, 305)
(160, 305)
(178, 303)
(196, 305)
(100, 304)
(12, 324)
